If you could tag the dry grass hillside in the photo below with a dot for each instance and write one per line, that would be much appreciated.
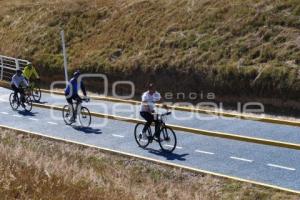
(231, 47)
(37, 168)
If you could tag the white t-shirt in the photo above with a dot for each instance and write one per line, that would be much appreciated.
(148, 101)
(17, 80)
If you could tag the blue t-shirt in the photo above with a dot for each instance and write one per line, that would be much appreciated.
(73, 87)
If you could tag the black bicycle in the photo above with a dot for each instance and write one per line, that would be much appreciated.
(167, 139)
(15, 101)
(84, 115)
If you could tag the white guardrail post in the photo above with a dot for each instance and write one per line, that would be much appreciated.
(17, 64)
(1, 65)
(8, 66)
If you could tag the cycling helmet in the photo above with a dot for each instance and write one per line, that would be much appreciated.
(151, 86)
(76, 74)
(19, 71)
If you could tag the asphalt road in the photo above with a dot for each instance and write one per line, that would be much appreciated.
(265, 164)
(242, 127)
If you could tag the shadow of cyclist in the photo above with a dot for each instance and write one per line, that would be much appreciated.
(168, 156)
(40, 102)
(27, 113)
(87, 130)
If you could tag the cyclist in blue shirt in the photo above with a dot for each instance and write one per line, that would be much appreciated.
(71, 92)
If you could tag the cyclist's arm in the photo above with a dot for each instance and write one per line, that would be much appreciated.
(14, 81)
(26, 73)
(82, 86)
(25, 82)
(34, 72)
(158, 99)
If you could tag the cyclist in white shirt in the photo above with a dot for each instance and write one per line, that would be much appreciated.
(149, 98)
(16, 84)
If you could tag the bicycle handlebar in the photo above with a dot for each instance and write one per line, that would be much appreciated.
(165, 114)
(86, 99)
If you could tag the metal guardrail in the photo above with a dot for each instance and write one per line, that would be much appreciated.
(8, 66)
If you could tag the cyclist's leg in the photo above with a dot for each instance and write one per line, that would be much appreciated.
(28, 81)
(78, 103)
(15, 89)
(71, 108)
(22, 94)
(149, 119)
(32, 83)
(157, 128)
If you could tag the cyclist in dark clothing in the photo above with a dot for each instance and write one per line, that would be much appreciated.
(71, 92)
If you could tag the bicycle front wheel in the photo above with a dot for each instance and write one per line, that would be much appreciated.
(14, 101)
(167, 139)
(67, 115)
(36, 93)
(85, 118)
(142, 139)
(28, 104)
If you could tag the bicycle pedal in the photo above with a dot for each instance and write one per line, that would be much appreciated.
(151, 139)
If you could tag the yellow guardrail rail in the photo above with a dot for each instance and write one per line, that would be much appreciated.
(198, 110)
(193, 130)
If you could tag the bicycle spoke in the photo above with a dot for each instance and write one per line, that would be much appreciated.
(85, 117)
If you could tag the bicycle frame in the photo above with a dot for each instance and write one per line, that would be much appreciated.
(77, 105)
(159, 123)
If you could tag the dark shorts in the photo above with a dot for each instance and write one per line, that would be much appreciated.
(75, 97)
(149, 120)
(17, 90)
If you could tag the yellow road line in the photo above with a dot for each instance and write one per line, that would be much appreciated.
(169, 164)
(193, 130)
(198, 110)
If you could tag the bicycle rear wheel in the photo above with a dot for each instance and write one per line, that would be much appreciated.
(167, 139)
(67, 115)
(85, 118)
(36, 93)
(141, 139)
(28, 104)
(14, 101)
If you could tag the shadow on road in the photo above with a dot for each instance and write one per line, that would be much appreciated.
(27, 113)
(168, 156)
(41, 102)
(88, 130)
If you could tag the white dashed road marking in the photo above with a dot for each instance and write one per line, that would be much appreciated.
(167, 145)
(119, 136)
(17, 116)
(205, 152)
(281, 167)
(53, 123)
(241, 159)
(4, 113)
(33, 119)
